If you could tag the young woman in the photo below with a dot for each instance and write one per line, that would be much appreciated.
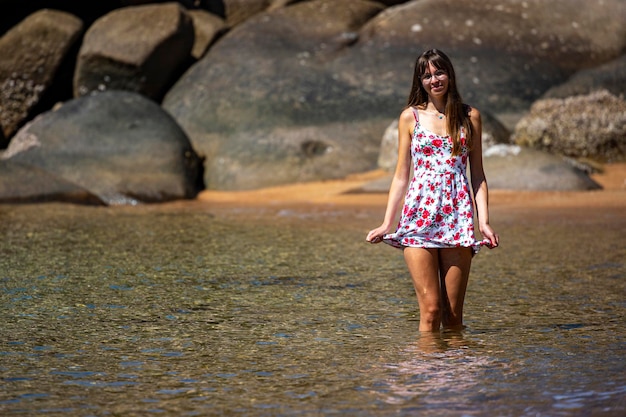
(438, 133)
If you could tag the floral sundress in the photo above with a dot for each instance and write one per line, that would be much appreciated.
(438, 210)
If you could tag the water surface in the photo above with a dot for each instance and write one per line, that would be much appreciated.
(191, 310)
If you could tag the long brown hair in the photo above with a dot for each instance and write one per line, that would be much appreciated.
(457, 113)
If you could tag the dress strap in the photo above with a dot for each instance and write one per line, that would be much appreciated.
(417, 119)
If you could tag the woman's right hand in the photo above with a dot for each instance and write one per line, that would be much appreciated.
(376, 235)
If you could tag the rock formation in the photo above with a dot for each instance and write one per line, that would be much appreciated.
(589, 126)
(270, 92)
(31, 55)
(115, 147)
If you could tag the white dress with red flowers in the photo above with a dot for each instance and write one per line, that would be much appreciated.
(438, 210)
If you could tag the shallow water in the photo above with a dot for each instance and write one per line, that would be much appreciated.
(192, 310)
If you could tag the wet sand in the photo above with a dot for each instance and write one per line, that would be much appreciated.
(340, 195)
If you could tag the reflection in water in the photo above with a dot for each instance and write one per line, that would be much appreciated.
(437, 372)
(185, 310)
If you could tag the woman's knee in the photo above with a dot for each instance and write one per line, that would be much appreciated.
(431, 312)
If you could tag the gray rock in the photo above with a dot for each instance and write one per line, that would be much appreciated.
(506, 54)
(288, 155)
(236, 12)
(119, 146)
(31, 53)
(510, 167)
(388, 156)
(207, 28)
(142, 49)
(610, 76)
(322, 63)
(591, 126)
(27, 184)
(392, 2)
(251, 103)
(494, 132)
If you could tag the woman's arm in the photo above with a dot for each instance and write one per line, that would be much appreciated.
(400, 181)
(479, 181)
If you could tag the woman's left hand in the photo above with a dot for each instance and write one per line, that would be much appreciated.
(491, 235)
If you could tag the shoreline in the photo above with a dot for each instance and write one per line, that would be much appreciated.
(339, 193)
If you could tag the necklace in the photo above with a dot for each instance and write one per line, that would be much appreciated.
(437, 115)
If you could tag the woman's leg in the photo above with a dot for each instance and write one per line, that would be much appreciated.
(454, 265)
(423, 266)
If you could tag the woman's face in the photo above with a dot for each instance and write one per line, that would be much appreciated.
(435, 81)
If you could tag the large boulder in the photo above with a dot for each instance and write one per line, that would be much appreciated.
(119, 146)
(13, 12)
(31, 54)
(590, 126)
(207, 28)
(141, 48)
(238, 11)
(342, 69)
(506, 54)
(265, 110)
(510, 167)
(610, 76)
(21, 183)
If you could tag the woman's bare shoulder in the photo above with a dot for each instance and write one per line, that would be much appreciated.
(408, 114)
(471, 111)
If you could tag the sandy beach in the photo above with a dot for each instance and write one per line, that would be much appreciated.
(342, 193)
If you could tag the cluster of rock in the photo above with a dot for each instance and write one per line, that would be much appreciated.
(590, 126)
(158, 101)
